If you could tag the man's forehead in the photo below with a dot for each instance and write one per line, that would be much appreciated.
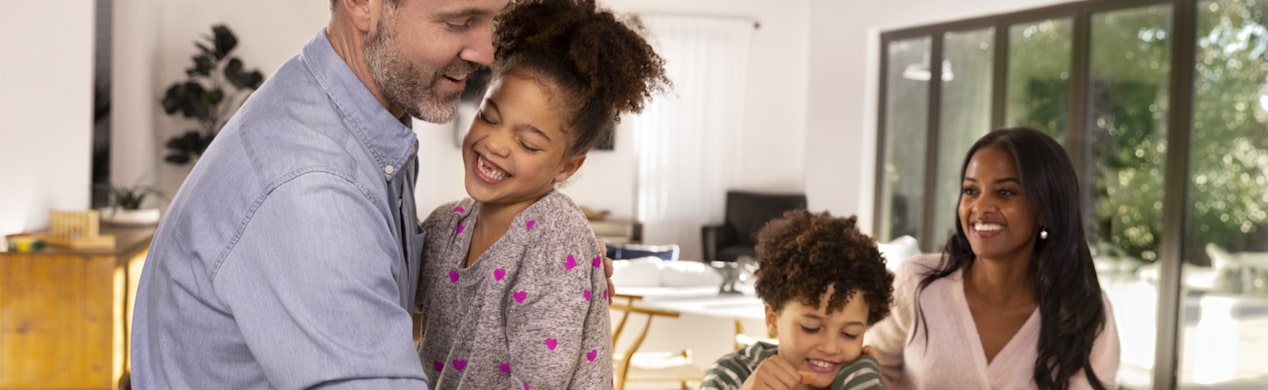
(465, 7)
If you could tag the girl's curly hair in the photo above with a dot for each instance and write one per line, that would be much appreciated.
(801, 254)
(599, 65)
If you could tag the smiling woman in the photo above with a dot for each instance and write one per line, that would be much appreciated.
(1018, 270)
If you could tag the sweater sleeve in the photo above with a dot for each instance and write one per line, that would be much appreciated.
(861, 374)
(889, 336)
(731, 370)
(1105, 354)
(557, 339)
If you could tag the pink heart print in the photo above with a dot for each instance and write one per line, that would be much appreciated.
(525, 385)
(459, 364)
(453, 276)
(529, 225)
(520, 295)
(551, 343)
(459, 229)
(458, 209)
(586, 293)
(571, 263)
(592, 354)
(499, 274)
(598, 261)
(505, 367)
(437, 365)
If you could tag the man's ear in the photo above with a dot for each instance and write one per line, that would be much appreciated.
(571, 165)
(365, 14)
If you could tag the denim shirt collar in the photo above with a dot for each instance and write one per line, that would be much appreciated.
(390, 140)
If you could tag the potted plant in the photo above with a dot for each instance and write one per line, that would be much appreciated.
(216, 85)
(125, 205)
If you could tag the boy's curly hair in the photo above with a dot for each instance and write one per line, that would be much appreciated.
(598, 65)
(801, 254)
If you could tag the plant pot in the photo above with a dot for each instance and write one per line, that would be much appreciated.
(125, 217)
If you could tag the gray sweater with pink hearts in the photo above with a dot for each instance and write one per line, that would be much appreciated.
(530, 313)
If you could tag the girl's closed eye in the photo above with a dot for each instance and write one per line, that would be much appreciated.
(810, 330)
(529, 147)
(487, 117)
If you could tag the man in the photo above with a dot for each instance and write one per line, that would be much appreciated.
(290, 256)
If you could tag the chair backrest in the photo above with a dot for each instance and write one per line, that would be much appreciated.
(748, 212)
(635, 251)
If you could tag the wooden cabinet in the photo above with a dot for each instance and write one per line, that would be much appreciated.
(65, 314)
(617, 231)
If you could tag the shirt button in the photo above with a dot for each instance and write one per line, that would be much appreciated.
(389, 169)
(413, 150)
(399, 203)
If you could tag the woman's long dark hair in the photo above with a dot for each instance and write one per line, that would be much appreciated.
(1065, 283)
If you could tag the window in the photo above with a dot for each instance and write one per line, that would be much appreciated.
(1163, 107)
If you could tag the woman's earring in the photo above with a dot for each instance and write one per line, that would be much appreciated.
(1043, 233)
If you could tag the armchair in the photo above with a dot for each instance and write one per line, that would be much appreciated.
(746, 213)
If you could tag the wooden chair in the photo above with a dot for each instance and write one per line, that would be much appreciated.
(630, 365)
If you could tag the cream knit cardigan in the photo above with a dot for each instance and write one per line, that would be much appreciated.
(953, 357)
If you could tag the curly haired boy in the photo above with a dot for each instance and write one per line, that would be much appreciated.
(824, 283)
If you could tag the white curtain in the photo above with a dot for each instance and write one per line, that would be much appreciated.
(687, 141)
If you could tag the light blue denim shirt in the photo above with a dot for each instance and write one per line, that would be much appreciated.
(290, 256)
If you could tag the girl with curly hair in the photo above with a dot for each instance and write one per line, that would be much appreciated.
(513, 285)
(1013, 302)
(823, 284)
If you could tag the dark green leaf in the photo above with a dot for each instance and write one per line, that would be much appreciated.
(203, 66)
(225, 41)
(241, 78)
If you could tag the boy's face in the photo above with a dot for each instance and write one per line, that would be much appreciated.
(817, 342)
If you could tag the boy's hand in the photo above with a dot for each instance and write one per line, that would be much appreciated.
(775, 373)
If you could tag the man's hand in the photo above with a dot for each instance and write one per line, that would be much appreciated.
(776, 374)
(607, 269)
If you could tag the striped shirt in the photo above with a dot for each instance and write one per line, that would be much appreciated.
(730, 371)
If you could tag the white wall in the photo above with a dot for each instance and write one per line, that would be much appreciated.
(774, 114)
(844, 56)
(46, 106)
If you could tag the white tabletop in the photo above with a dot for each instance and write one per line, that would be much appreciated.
(704, 301)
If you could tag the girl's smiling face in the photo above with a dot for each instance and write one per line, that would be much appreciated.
(516, 148)
(815, 341)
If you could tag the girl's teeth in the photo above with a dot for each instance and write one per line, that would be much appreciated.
(488, 170)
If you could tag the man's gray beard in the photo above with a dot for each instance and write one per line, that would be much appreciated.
(402, 84)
